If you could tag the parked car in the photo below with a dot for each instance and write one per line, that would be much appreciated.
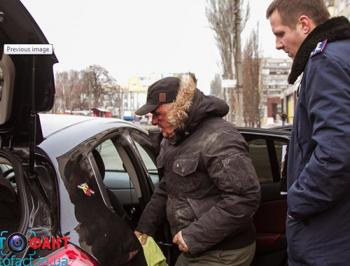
(69, 148)
(86, 180)
(285, 127)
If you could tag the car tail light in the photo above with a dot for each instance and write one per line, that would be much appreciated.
(71, 255)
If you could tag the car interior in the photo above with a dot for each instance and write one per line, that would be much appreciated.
(121, 179)
(125, 185)
(117, 206)
(9, 202)
(9, 216)
(270, 220)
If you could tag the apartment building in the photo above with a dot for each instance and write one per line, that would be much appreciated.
(274, 81)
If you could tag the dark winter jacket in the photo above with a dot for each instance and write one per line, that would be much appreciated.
(210, 189)
(319, 154)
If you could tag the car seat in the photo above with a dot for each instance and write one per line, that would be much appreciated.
(9, 214)
(117, 206)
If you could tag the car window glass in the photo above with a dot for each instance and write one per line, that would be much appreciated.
(115, 176)
(146, 152)
(151, 167)
(120, 178)
(260, 157)
(280, 150)
(110, 156)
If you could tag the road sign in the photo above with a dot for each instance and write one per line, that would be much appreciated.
(229, 83)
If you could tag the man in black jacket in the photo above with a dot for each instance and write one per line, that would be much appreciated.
(210, 190)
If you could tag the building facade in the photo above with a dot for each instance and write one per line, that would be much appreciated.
(274, 81)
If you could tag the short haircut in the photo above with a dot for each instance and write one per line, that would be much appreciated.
(290, 11)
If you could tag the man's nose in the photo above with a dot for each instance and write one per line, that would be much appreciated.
(154, 121)
(279, 44)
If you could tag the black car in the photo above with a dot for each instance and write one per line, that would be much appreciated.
(73, 188)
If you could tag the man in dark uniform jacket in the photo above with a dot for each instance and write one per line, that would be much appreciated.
(318, 172)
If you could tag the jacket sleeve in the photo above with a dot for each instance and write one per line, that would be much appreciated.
(325, 178)
(230, 168)
(154, 214)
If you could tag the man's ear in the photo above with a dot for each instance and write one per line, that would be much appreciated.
(305, 24)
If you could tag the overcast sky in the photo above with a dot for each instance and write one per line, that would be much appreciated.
(140, 37)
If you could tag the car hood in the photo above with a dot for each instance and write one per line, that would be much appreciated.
(17, 96)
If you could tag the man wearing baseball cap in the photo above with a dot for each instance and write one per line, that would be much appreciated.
(210, 190)
(161, 92)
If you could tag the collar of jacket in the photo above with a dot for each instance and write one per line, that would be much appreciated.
(191, 107)
(178, 115)
(337, 28)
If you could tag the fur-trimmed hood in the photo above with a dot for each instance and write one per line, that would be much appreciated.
(192, 106)
(334, 29)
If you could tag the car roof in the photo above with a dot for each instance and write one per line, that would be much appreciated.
(64, 132)
(264, 131)
(52, 123)
(286, 127)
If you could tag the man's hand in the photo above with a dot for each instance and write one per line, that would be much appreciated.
(143, 239)
(178, 240)
(132, 254)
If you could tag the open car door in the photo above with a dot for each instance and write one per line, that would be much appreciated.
(267, 149)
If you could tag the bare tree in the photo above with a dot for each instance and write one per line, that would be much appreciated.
(82, 90)
(111, 99)
(97, 77)
(251, 80)
(216, 87)
(224, 17)
(69, 90)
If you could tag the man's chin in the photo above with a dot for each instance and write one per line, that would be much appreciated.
(168, 135)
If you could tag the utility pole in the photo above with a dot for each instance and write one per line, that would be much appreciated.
(228, 86)
(89, 96)
(238, 63)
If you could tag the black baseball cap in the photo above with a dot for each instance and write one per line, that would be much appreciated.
(161, 92)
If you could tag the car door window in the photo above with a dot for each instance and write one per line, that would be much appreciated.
(116, 178)
(146, 152)
(267, 156)
(260, 158)
(150, 165)
(110, 156)
(124, 175)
